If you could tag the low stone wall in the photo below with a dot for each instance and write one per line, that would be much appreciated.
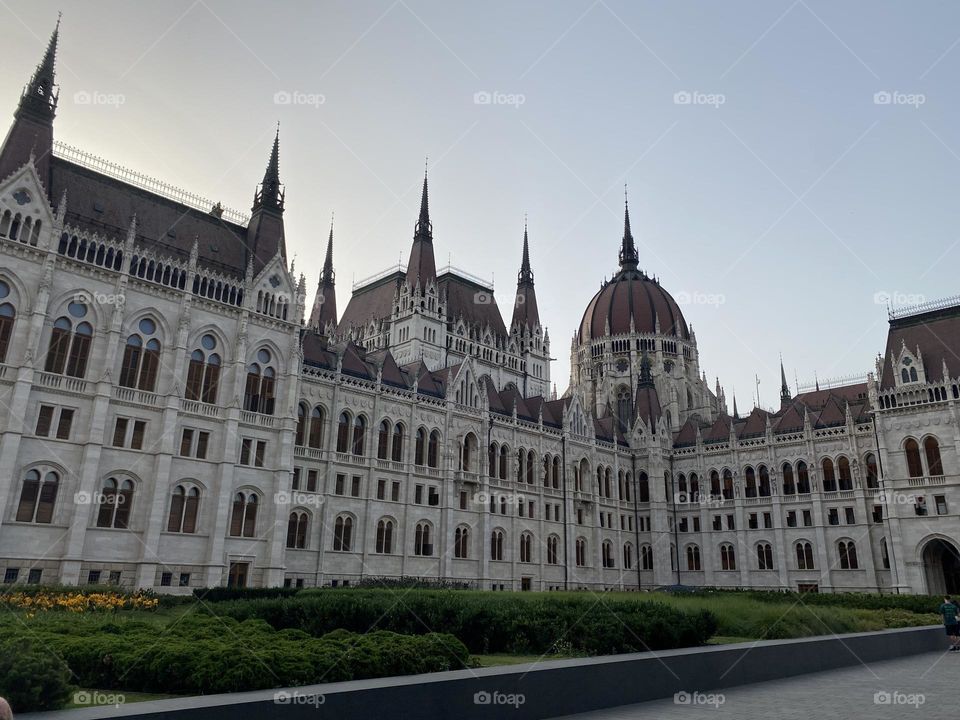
(541, 690)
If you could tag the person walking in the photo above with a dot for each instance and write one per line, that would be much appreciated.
(948, 611)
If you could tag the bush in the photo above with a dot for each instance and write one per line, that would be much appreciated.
(858, 601)
(32, 677)
(219, 594)
(489, 622)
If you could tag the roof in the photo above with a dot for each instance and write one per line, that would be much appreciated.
(631, 294)
(372, 302)
(472, 302)
(936, 333)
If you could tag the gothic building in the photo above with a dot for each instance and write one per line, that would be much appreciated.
(174, 418)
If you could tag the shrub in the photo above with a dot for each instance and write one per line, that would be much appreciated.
(32, 677)
(219, 594)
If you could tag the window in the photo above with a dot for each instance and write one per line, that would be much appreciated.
(385, 536)
(359, 435)
(10, 575)
(260, 453)
(184, 505)
(807, 518)
(7, 316)
(803, 478)
(764, 556)
(606, 554)
(313, 477)
(136, 437)
(115, 501)
(767, 520)
(243, 520)
(940, 502)
(166, 578)
(44, 420)
(912, 451)
(833, 516)
(873, 475)
(342, 533)
(421, 540)
(461, 542)
(693, 557)
(553, 546)
(339, 484)
(69, 347)
(829, 477)
(433, 496)
(628, 556)
(355, 486)
(383, 440)
(246, 445)
(731, 522)
(297, 530)
(728, 558)
(581, 552)
(717, 522)
(343, 433)
(526, 548)
(804, 556)
(381, 489)
(496, 545)
(395, 491)
(203, 371)
(184, 580)
(37, 499)
(120, 432)
(791, 518)
(878, 513)
(396, 447)
(646, 557)
(849, 516)
(931, 449)
(34, 576)
(418, 495)
(848, 555)
(884, 555)
(789, 486)
(141, 358)
(260, 388)
(237, 576)
(93, 577)
(186, 442)
(752, 521)
(643, 488)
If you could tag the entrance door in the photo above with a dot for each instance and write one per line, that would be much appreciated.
(238, 574)
(941, 564)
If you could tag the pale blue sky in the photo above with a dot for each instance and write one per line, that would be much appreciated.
(797, 200)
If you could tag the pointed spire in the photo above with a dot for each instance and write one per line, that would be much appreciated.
(328, 274)
(736, 415)
(324, 310)
(784, 388)
(424, 228)
(526, 314)
(422, 266)
(629, 259)
(646, 379)
(40, 95)
(270, 194)
(526, 274)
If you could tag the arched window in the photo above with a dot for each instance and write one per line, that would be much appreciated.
(470, 451)
(383, 440)
(420, 449)
(931, 449)
(914, 465)
(203, 372)
(606, 554)
(531, 464)
(385, 536)
(750, 482)
(243, 520)
(260, 389)
(763, 484)
(804, 556)
(184, 505)
(492, 460)
(526, 548)
(646, 557)
(521, 464)
(496, 545)
(461, 542)
(69, 347)
(829, 478)
(433, 450)
(803, 479)
(421, 540)
(873, 473)
(300, 436)
(553, 546)
(503, 462)
(141, 358)
(556, 472)
(789, 486)
(764, 556)
(848, 555)
(8, 315)
(624, 406)
(843, 469)
(315, 438)
(37, 499)
(884, 554)
(694, 488)
(693, 557)
(581, 548)
(297, 530)
(643, 488)
(727, 485)
(396, 448)
(343, 533)
(359, 435)
(715, 491)
(115, 501)
(627, 556)
(343, 433)
(728, 557)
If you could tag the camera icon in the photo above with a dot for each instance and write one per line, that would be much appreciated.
(281, 698)
(282, 498)
(82, 697)
(882, 697)
(482, 98)
(682, 98)
(482, 698)
(482, 298)
(521, 300)
(82, 498)
(682, 698)
(882, 97)
(82, 97)
(282, 97)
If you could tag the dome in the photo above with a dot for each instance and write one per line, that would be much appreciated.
(632, 293)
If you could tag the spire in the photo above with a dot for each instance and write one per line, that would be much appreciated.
(629, 259)
(270, 194)
(736, 415)
(646, 379)
(784, 388)
(328, 274)
(526, 274)
(422, 267)
(40, 95)
(324, 309)
(525, 311)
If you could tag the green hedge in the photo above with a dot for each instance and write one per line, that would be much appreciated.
(219, 594)
(856, 601)
(488, 622)
(31, 676)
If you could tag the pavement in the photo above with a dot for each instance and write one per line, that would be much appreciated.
(918, 686)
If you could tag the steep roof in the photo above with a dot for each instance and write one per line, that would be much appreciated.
(937, 334)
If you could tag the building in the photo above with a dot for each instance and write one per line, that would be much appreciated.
(174, 418)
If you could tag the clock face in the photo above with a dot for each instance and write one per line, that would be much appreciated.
(622, 365)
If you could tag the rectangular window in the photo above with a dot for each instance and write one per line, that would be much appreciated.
(696, 524)
(44, 420)
(165, 579)
(34, 577)
(261, 453)
(579, 516)
(245, 448)
(731, 524)
(184, 579)
(530, 509)
(463, 499)
(521, 510)
(312, 480)
(418, 495)
(683, 524)
(940, 501)
(339, 486)
(395, 491)
(792, 518)
(296, 479)
(186, 442)
(139, 428)
(355, 486)
(114, 577)
(717, 522)
(203, 440)
(752, 521)
(849, 516)
(93, 577)
(381, 489)
(10, 575)
(767, 520)
(833, 517)
(120, 432)
(807, 518)
(878, 513)
(433, 496)
(65, 424)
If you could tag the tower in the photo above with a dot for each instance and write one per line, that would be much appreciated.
(265, 234)
(525, 329)
(323, 317)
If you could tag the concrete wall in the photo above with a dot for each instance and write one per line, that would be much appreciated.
(548, 689)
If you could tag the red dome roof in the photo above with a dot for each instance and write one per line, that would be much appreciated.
(631, 292)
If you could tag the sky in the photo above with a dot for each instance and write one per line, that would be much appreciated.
(791, 165)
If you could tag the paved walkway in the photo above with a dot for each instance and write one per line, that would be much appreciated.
(918, 686)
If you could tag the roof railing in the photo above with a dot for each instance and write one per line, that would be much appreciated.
(921, 308)
(145, 182)
(833, 383)
(487, 284)
(378, 276)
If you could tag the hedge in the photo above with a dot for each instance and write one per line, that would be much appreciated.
(488, 622)
(855, 601)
